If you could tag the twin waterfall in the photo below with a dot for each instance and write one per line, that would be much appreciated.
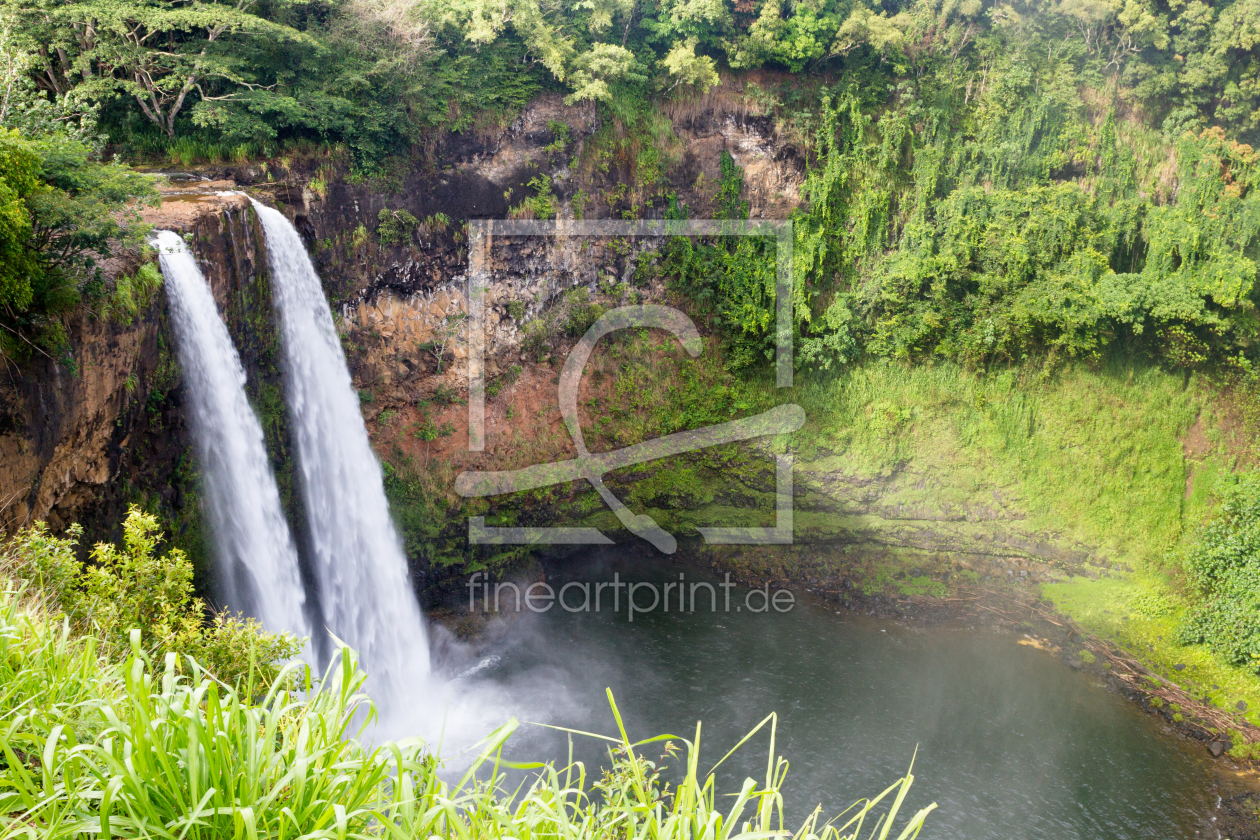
(365, 594)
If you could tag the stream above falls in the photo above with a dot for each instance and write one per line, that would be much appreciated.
(1011, 742)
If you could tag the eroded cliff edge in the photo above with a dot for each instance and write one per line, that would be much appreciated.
(103, 427)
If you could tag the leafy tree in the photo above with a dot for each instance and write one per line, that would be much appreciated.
(25, 108)
(158, 53)
(61, 214)
(19, 180)
(593, 71)
(687, 68)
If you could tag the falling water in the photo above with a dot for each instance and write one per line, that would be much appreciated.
(364, 587)
(255, 550)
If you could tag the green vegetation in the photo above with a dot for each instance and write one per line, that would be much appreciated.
(927, 239)
(987, 183)
(580, 312)
(731, 280)
(62, 212)
(990, 260)
(1222, 563)
(1032, 439)
(132, 294)
(420, 508)
(1117, 607)
(540, 205)
(129, 588)
(395, 226)
(375, 75)
(117, 741)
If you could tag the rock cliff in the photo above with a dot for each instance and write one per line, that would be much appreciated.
(79, 441)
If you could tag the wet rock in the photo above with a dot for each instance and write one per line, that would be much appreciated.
(1241, 705)
(1217, 748)
(1179, 667)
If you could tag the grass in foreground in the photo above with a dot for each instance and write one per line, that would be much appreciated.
(94, 748)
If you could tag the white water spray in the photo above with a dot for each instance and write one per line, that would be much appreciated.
(364, 588)
(257, 557)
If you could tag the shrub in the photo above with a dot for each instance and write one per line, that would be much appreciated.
(132, 294)
(540, 205)
(1222, 563)
(446, 395)
(536, 339)
(561, 134)
(395, 226)
(358, 238)
(319, 185)
(581, 311)
(128, 588)
(46, 562)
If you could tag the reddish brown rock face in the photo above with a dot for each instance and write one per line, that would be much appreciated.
(70, 427)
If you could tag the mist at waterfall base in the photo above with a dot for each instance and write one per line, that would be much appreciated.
(1012, 743)
(258, 563)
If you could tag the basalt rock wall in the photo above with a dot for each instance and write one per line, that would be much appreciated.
(103, 427)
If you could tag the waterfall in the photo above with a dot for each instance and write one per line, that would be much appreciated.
(364, 586)
(256, 555)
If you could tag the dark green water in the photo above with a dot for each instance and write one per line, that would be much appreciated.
(1011, 742)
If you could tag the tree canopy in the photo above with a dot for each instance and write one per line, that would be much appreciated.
(987, 180)
(339, 69)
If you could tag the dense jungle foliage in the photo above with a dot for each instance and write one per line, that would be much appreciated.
(1060, 240)
(988, 181)
(1223, 564)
